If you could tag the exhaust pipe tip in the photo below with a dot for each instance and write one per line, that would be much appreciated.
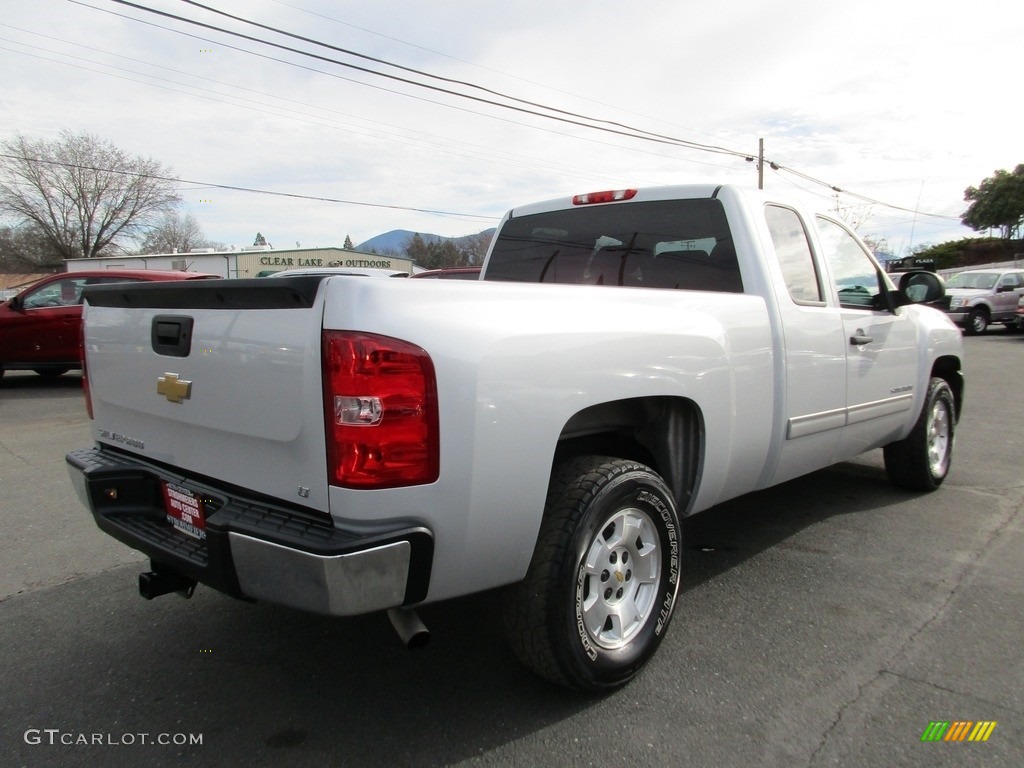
(411, 630)
(156, 583)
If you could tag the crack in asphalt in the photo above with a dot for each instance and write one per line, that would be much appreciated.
(967, 570)
(7, 450)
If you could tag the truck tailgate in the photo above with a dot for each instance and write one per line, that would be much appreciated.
(223, 374)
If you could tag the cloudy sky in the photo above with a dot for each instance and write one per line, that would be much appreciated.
(492, 105)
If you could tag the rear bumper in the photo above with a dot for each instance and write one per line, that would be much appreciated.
(255, 548)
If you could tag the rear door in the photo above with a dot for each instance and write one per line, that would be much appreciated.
(815, 351)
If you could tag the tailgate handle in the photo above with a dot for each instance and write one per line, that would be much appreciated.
(172, 335)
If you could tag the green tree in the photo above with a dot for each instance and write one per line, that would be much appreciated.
(416, 250)
(348, 244)
(444, 254)
(86, 195)
(998, 203)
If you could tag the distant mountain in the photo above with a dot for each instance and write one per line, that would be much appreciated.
(395, 240)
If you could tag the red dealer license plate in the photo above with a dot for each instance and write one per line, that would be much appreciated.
(184, 510)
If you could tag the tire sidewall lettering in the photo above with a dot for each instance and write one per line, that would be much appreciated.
(638, 493)
(671, 535)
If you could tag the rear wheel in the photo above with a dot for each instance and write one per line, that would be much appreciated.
(602, 584)
(922, 459)
(52, 373)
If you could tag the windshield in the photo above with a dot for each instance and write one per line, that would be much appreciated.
(676, 244)
(980, 280)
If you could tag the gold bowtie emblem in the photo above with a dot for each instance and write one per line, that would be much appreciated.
(174, 389)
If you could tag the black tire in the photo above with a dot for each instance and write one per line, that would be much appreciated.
(51, 373)
(977, 322)
(608, 549)
(921, 461)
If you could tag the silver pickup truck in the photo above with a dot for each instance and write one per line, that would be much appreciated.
(347, 445)
(980, 297)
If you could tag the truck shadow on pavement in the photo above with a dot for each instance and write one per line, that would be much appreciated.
(25, 384)
(723, 537)
(258, 681)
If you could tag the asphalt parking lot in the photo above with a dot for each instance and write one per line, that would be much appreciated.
(828, 621)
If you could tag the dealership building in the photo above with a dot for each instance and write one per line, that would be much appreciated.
(253, 261)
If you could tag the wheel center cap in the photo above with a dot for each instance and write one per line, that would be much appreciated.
(619, 577)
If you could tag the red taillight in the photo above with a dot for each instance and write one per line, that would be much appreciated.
(609, 196)
(380, 403)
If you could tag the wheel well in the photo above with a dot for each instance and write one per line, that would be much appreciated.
(665, 433)
(948, 368)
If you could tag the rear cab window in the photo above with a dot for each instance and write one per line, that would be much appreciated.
(670, 244)
(794, 254)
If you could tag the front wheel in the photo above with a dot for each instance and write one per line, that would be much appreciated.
(922, 459)
(977, 322)
(599, 592)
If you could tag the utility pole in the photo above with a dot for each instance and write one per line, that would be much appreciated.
(760, 163)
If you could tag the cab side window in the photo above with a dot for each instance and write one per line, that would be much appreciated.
(857, 279)
(1011, 280)
(62, 293)
(793, 250)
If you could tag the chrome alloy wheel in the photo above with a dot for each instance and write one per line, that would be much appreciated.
(618, 580)
(939, 438)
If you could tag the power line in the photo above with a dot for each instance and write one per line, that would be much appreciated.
(870, 200)
(486, 153)
(628, 131)
(452, 81)
(560, 115)
(492, 70)
(236, 188)
(631, 130)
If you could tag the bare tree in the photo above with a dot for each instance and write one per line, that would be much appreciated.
(84, 193)
(475, 246)
(174, 234)
(854, 215)
(25, 248)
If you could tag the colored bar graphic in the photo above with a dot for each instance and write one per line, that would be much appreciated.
(958, 730)
(982, 731)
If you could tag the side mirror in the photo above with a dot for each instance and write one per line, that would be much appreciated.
(920, 287)
(15, 304)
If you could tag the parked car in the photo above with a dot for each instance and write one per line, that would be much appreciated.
(1020, 314)
(980, 297)
(452, 273)
(40, 327)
